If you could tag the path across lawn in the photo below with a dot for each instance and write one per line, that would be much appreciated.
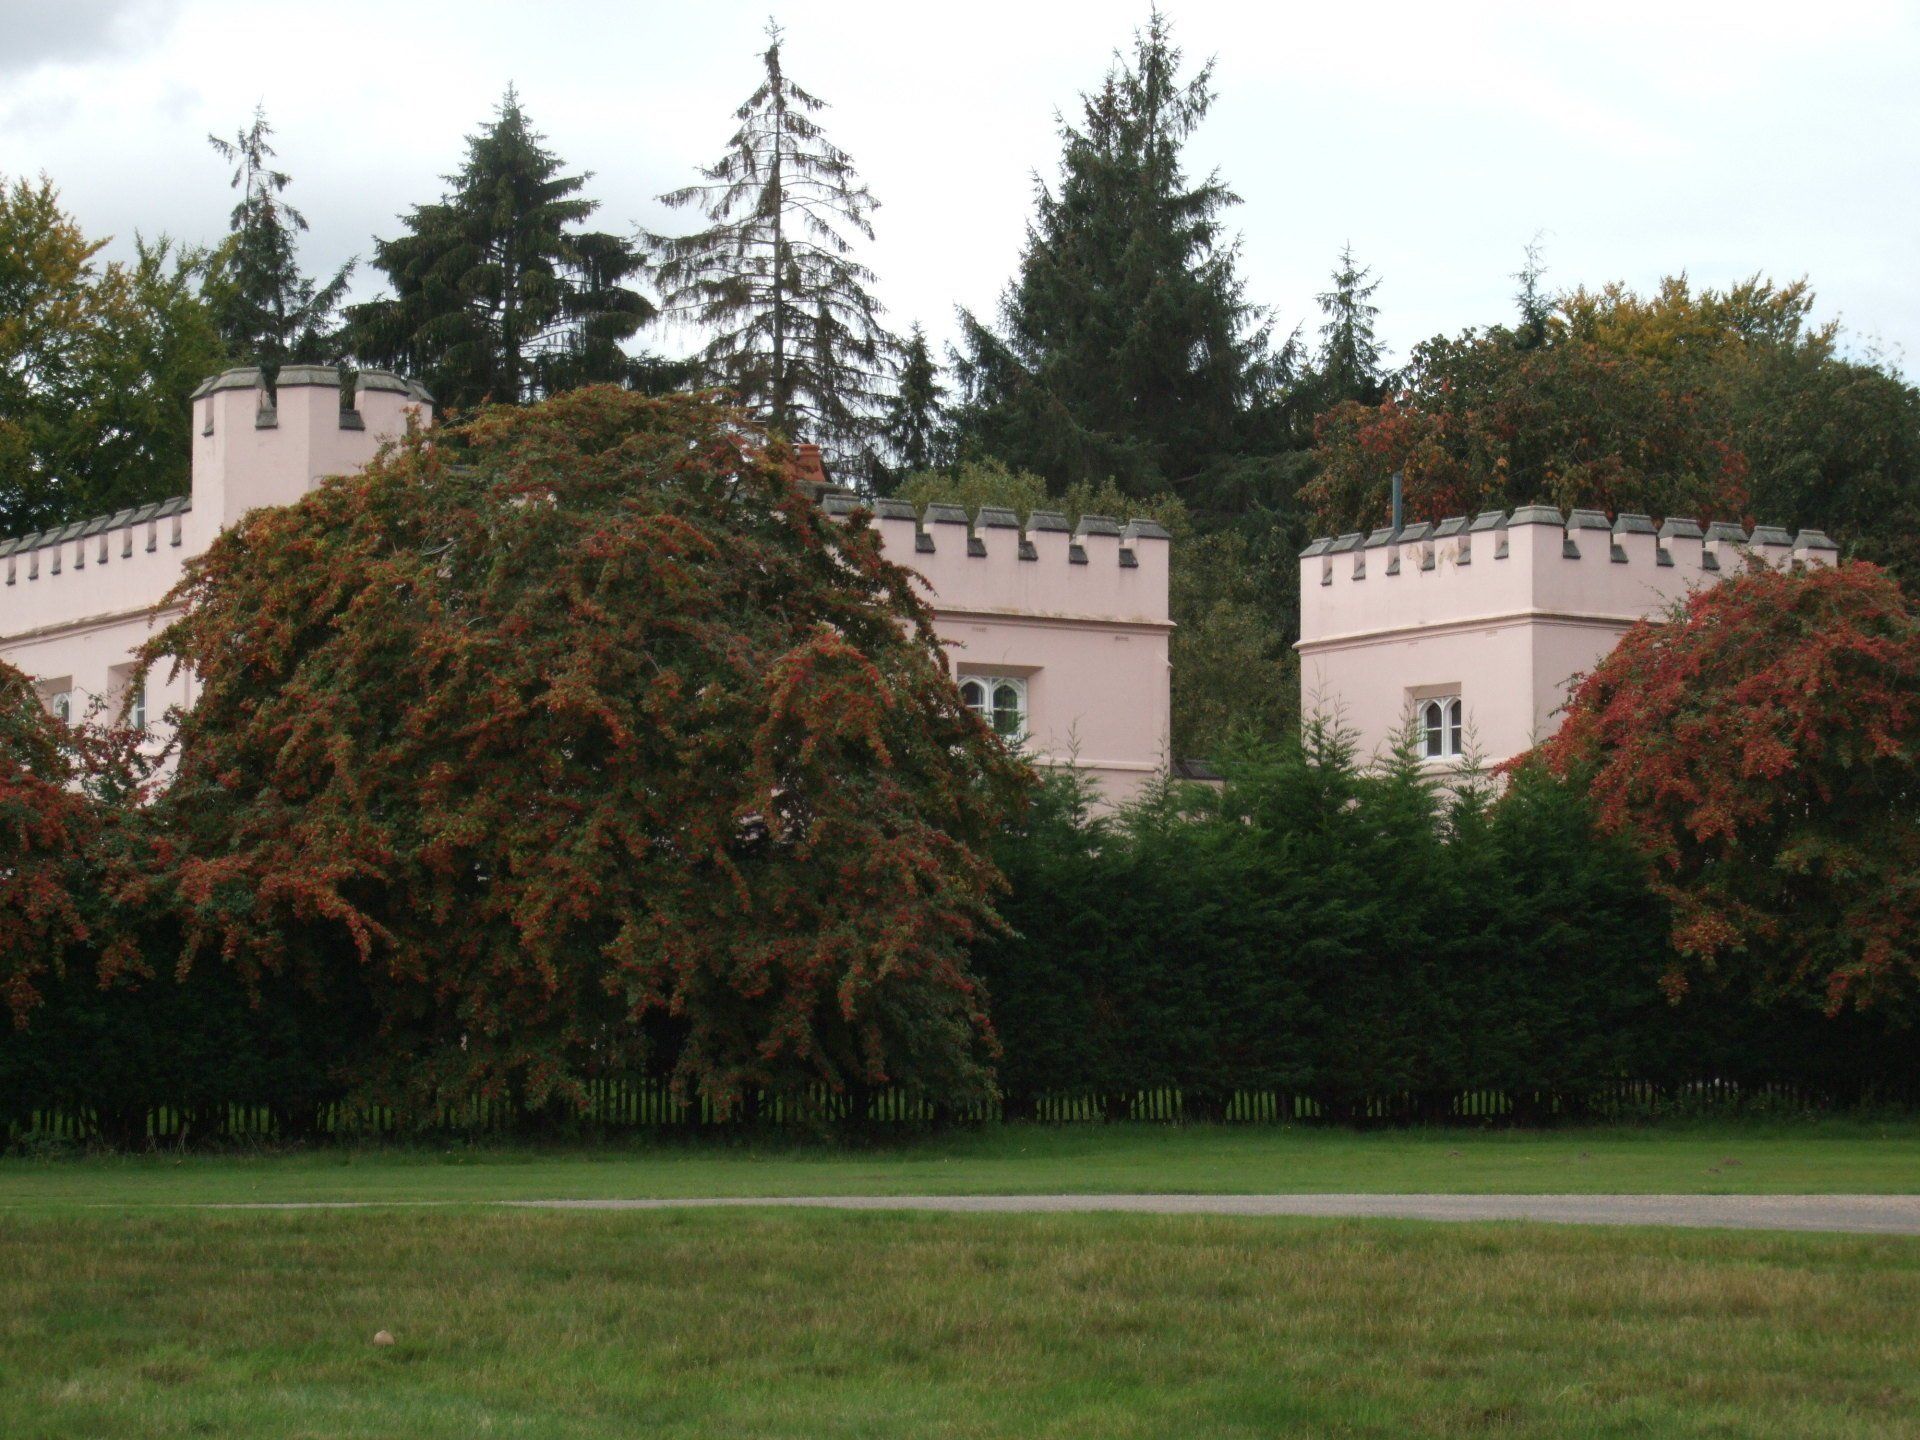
(1848, 1214)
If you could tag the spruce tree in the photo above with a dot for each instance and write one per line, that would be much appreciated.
(1125, 347)
(500, 294)
(794, 330)
(1349, 364)
(267, 311)
(915, 435)
(1531, 299)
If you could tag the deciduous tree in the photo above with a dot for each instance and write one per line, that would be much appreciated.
(587, 742)
(96, 363)
(1762, 745)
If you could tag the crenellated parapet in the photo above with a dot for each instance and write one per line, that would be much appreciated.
(993, 563)
(253, 446)
(1474, 630)
(1066, 624)
(1535, 559)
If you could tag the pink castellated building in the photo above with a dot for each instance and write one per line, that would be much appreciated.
(1057, 637)
(1472, 631)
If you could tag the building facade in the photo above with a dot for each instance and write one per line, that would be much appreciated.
(1057, 637)
(1471, 632)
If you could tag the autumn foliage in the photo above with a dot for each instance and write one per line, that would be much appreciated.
(1762, 746)
(47, 830)
(581, 742)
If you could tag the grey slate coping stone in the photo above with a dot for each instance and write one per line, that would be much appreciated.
(1098, 525)
(997, 517)
(1452, 525)
(1318, 547)
(1413, 533)
(1813, 540)
(895, 510)
(241, 377)
(1051, 520)
(386, 380)
(1726, 530)
(838, 504)
(1140, 529)
(1770, 535)
(1679, 528)
(1538, 515)
(1489, 520)
(291, 376)
(1381, 536)
(1588, 520)
(1344, 543)
(946, 515)
(1627, 524)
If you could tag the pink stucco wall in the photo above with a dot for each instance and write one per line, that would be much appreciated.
(1504, 611)
(1081, 616)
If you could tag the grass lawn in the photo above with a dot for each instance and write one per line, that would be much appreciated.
(1722, 1157)
(755, 1323)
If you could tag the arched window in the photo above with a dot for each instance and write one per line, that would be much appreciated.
(1442, 728)
(63, 707)
(1001, 701)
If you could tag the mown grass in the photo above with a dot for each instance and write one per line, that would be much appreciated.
(759, 1323)
(1720, 1157)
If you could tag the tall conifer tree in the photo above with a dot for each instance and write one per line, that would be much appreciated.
(500, 294)
(1126, 346)
(268, 312)
(1350, 367)
(916, 434)
(793, 327)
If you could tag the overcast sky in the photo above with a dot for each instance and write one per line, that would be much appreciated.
(1438, 138)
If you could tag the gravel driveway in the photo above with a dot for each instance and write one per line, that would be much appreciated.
(1854, 1214)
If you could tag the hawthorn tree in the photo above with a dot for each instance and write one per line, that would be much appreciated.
(1762, 746)
(582, 740)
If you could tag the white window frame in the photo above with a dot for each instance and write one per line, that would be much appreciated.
(987, 705)
(1442, 720)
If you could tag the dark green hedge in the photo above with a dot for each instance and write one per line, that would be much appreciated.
(1353, 941)
(1363, 941)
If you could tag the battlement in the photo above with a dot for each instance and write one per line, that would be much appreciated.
(253, 446)
(1534, 561)
(990, 563)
